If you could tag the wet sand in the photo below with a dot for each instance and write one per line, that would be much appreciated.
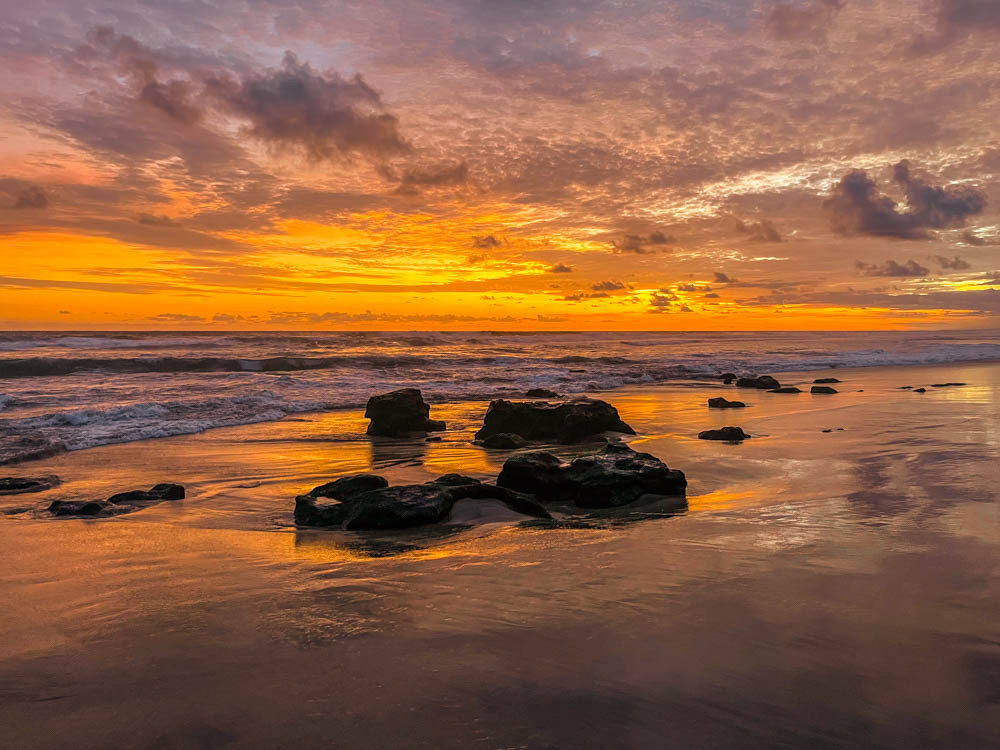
(824, 589)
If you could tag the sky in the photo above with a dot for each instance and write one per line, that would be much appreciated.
(522, 165)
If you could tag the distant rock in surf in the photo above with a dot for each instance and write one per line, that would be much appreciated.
(541, 393)
(20, 485)
(122, 502)
(615, 476)
(763, 382)
(504, 441)
(729, 434)
(821, 381)
(728, 377)
(920, 390)
(823, 389)
(564, 422)
(786, 389)
(400, 413)
(945, 385)
(367, 502)
(723, 403)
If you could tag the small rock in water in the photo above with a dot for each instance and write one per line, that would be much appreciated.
(19, 485)
(728, 377)
(729, 434)
(400, 413)
(920, 390)
(905, 388)
(785, 389)
(78, 507)
(565, 421)
(822, 389)
(764, 382)
(156, 494)
(828, 430)
(821, 381)
(504, 441)
(722, 403)
(541, 393)
(945, 385)
(122, 502)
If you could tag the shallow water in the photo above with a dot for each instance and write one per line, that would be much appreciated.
(824, 589)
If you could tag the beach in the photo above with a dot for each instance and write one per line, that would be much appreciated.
(833, 582)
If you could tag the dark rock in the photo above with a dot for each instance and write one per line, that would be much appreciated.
(615, 476)
(349, 486)
(828, 430)
(785, 389)
(156, 494)
(728, 377)
(905, 388)
(78, 507)
(504, 441)
(920, 390)
(822, 389)
(722, 403)
(821, 381)
(730, 434)
(20, 485)
(945, 385)
(400, 507)
(728, 381)
(542, 393)
(564, 422)
(400, 413)
(764, 382)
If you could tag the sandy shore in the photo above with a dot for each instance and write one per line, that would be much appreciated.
(823, 589)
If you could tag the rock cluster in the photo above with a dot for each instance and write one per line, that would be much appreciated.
(723, 403)
(563, 422)
(123, 502)
(21, 485)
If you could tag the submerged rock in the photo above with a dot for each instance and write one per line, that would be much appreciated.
(122, 502)
(920, 390)
(945, 385)
(764, 382)
(722, 403)
(366, 501)
(786, 389)
(564, 422)
(399, 413)
(821, 381)
(615, 476)
(20, 485)
(730, 434)
(541, 393)
(823, 389)
(728, 377)
(504, 441)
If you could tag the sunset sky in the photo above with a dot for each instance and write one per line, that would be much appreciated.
(467, 164)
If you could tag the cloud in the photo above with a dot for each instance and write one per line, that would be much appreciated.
(801, 21)
(954, 264)
(484, 243)
(324, 114)
(759, 231)
(891, 268)
(561, 268)
(958, 18)
(437, 175)
(608, 286)
(31, 197)
(721, 278)
(639, 244)
(176, 318)
(971, 238)
(156, 220)
(856, 207)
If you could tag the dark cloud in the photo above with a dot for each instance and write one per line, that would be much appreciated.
(439, 175)
(971, 238)
(31, 197)
(711, 295)
(809, 20)
(639, 244)
(609, 286)
(324, 114)
(891, 268)
(953, 264)
(484, 243)
(561, 268)
(156, 220)
(721, 278)
(759, 231)
(857, 207)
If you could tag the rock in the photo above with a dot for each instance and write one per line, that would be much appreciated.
(615, 476)
(945, 385)
(20, 485)
(821, 381)
(78, 507)
(365, 501)
(728, 377)
(156, 494)
(827, 430)
(504, 441)
(564, 422)
(730, 434)
(400, 413)
(722, 403)
(905, 388)
(764, 382)
(542, 393)
(822, 389)
(785, 389)
(920, 390)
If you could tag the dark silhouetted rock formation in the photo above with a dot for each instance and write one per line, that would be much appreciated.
(722, 403)
(764, 382)
(564, 422)
(20, 485)
(122, 502)
(729, 434)
(823, 389)
(400, 413)
(504, 441)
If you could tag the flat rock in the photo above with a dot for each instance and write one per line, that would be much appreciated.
(79, 507)
(122, 502)
(764, 382)
(786, 389)
(823, 389)
(920, 390)
(822, 381)
(400, 413)
(723, 403)
(945, 385)
(504, 441)
(21, 485)
(156, 494)
(564, 422)
(615, 476)
(729, 434)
